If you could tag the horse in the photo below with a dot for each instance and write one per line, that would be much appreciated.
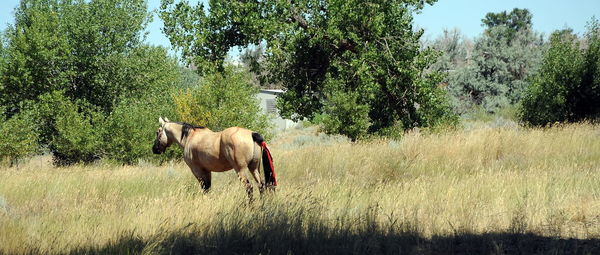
(205, 151)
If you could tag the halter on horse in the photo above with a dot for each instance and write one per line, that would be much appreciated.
(205, 151)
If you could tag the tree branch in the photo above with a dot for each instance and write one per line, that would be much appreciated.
(342, 46)
(299, 20)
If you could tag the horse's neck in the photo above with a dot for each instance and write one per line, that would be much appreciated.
(174, 130)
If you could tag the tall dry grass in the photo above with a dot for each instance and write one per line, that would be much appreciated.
(482, 190)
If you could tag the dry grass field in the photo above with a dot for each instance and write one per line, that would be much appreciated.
(501, 190)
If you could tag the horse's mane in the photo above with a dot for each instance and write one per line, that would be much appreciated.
(186, 127)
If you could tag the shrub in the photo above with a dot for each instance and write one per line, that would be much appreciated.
(223, 100)
(69, 128)
(567, 88)
(345, 115)
(129, 129)
(497, 73)
(492, 72)
(77, 132)
(19, 137)
(78, 138)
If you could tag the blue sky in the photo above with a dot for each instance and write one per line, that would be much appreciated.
(466, 15)
(548, 15)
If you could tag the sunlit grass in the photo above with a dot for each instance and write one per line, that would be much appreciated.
(482, 186)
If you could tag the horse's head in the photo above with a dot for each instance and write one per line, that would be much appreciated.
(162, 139)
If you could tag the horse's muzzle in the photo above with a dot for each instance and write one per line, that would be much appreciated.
(157, 149)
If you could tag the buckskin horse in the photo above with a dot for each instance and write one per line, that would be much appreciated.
(205, 151)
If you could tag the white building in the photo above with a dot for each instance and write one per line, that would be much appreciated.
(267, 99)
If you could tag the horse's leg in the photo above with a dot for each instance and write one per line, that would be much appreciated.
(240, 172)
(254, 169)
(204, 178)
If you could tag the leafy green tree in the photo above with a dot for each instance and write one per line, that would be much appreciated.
(497, 70)
(515, 21)
(567, 87)
(253, 58)
(128, 130)
(189, 78)
(37, 55)
(76, 46)
(107, 54)
(504, 66)
(223, 100)
(323, 53)
(77, 64)
(3, 53)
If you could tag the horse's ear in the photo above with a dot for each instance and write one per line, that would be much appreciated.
(167, 120)
(161, 121)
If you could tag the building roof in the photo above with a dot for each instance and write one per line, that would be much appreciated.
(271, 91)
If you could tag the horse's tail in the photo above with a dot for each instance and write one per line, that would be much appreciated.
(267, 160)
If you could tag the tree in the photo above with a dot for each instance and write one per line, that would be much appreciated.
(496, 71)
(3, 60)
(76, 66)
(76, 46)
(37, 55)
(223, 100)
(324, 53)
(504, 66)
(515, 21)
(567, 87)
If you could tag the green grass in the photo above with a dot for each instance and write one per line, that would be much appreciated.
(478, 190)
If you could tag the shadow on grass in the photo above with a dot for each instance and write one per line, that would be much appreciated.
(302, 226)
(321, 241)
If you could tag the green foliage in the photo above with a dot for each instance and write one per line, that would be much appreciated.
(223, 100)
(3, 54)
(515, 21)
(69, 129)
(344, 115)
(37, 55)
(567, 88)
(129, 130)
(456, 50)
(80, 67)
(77, 132)
(189, 78)
(321, 52)
(76, 46)
(496, 71)
(19, 137)
(78, 139)
(141, 71)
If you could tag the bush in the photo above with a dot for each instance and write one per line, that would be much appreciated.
(78, 139)
(567, 88)
(129, 129)
(77, 132)
(223, 100)
(344, 115)
(69, 128)
(496, 75)
(77, 68)
(19, 137)
(493, 71)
